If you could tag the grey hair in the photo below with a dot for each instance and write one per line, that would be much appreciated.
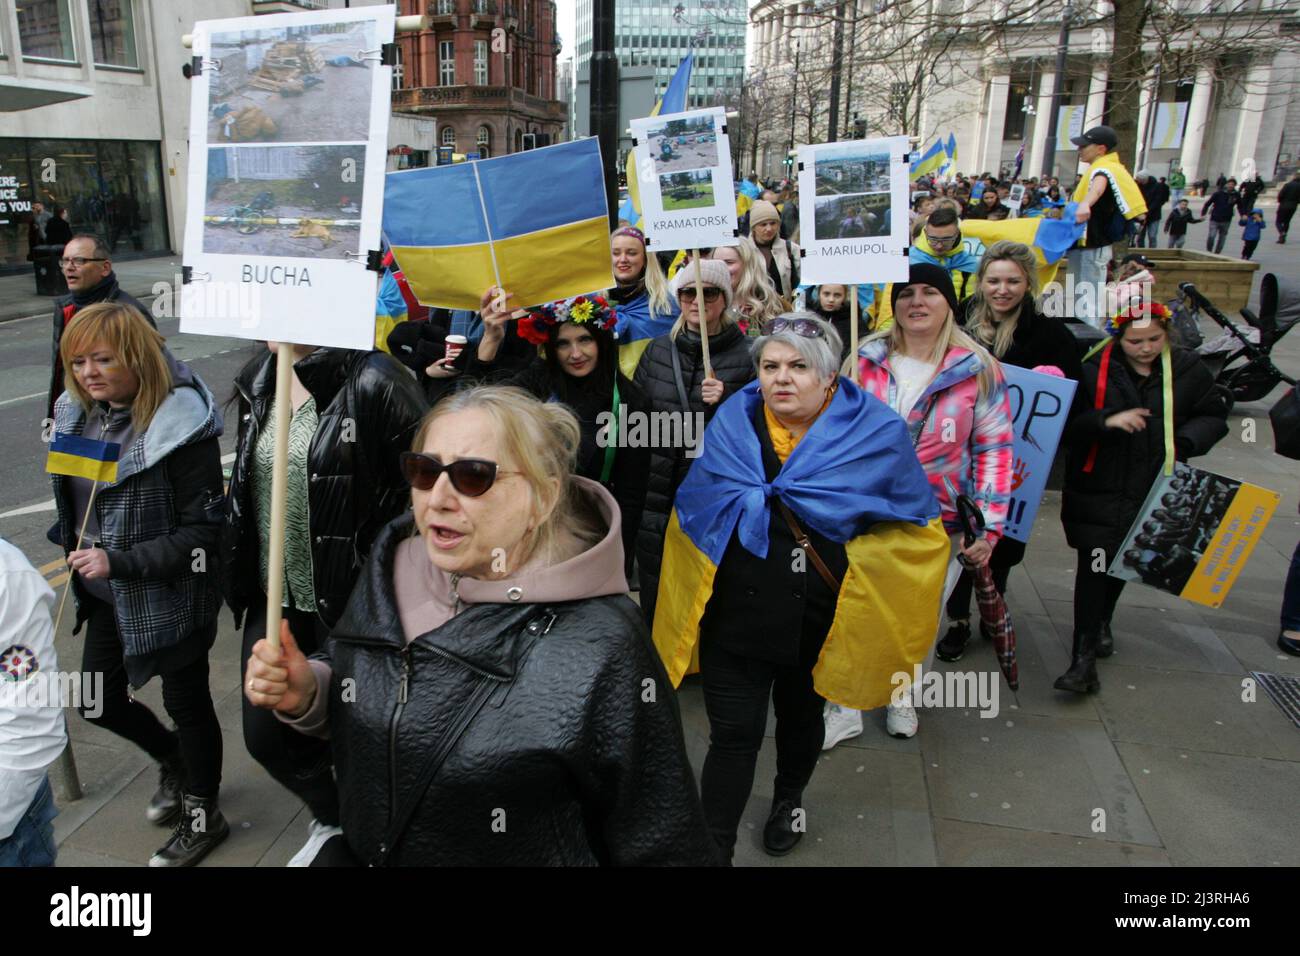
(822, 352)
(101, 247)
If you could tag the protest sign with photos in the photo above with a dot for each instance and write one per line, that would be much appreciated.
(1194, 534)
(289, 129)
(683, 163)
(853, 211)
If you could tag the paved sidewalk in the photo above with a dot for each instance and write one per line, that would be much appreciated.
(1183, 771)
(18, 298)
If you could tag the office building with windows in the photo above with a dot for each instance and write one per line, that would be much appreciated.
(659, 33)
(1220, 87)
(485, 71)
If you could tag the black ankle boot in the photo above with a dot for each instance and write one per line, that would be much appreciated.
(953, 644)
(199, 830)
(1105, 641)
(785, 826)
(1081, 678)
(166, 801)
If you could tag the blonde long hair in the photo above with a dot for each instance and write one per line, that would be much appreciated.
(996, 336)
(137, 345)
(542, 439)
(754, 287)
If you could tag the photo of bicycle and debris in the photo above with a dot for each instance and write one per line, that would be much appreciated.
(299, 201)
(305, 84)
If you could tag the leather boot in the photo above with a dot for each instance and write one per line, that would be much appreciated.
(785, 825)
(1105, 641)
(1081, 678)
(198, 832)
(166, 801)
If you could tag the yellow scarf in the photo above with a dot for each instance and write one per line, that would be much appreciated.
(784, 440)
(1128, 197)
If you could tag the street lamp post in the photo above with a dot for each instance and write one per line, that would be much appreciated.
(1058, 88)
(604, 99)
(794, 95)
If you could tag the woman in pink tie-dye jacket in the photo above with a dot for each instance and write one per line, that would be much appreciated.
(953, 396)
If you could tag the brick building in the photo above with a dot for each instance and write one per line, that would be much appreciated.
(485, 70)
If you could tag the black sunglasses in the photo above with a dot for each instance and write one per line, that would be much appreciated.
(470, 476)
(804, 327)
(711, 293)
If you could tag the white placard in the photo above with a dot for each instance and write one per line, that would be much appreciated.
(853, 211)
(288, 142)
(683, 163)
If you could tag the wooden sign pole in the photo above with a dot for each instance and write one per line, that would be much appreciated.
(279, 491)
(704, 321)
(854, 370)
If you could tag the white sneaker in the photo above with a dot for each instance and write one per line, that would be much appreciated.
(841, 724)
(900, 720)
(320, 833)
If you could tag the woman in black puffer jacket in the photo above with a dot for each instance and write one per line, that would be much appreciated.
(354, 414)
(506, 711)
(1116, 449)
(670, 375)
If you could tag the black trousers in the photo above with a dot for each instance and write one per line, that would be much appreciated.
(1284, 214)
(736, 691)
(301, 764)
(1007, 553)
(186, 698)
(1248, 248)
(1095, 594)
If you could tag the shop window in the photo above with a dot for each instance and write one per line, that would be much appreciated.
(112, 33)
(45, 30)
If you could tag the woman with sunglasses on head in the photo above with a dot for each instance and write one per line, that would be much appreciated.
(1004, 317)
(801, 463)
(672, 378)
(755, 300)
(1146, 403)
(352, 415)
(501, 714)
(578, 367)
(951, 393)
(142, 550)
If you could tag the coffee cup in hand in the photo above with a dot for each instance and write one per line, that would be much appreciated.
(455, 343)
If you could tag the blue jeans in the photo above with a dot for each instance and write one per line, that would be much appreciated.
(32, 842)
(1291, 594)
(1148, 236)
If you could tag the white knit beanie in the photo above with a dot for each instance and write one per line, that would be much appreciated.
(712, 272)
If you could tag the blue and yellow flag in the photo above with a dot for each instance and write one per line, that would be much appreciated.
(390, 309)
(673, 101)
(534, 223)
(745, 196)
(1049, 238)
(853, 478)
(934, 158)
(87, 458)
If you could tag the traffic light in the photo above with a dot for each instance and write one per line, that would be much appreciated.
(859, 129)
(789, 163)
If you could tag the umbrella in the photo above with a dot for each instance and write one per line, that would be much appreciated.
(993, 609)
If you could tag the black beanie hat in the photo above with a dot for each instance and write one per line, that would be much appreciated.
(929, 274)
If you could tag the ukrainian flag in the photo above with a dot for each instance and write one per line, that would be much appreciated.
(852, 478)
(390, 309)
(87, 458)
(934, 158)
(673, 101)
(745, 196)
(1049, 238)
(534, 223)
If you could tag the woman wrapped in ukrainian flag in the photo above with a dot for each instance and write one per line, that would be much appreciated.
(804, 560)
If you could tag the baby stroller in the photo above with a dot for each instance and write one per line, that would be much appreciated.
(1241, 358)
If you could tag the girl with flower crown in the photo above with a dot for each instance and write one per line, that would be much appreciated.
(577, 366)
(1146, 403)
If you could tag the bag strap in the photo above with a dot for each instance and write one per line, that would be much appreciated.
(478, 697)
(607, 468)
(802, 539)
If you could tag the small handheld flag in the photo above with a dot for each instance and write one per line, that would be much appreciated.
(87, 458)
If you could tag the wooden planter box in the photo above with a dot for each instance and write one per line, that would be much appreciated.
(1223, 280)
